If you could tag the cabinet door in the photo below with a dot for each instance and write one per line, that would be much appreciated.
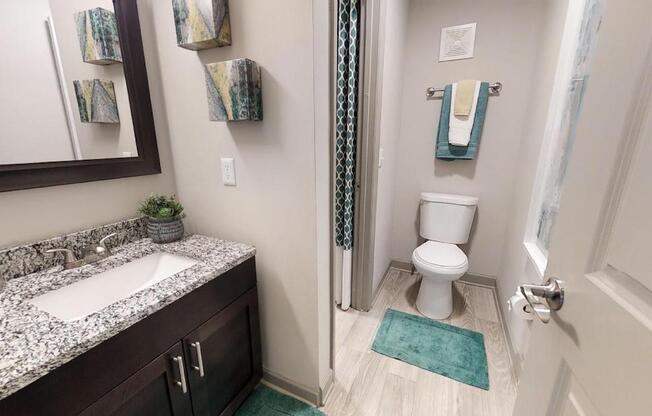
(224, 358)
(158, 389)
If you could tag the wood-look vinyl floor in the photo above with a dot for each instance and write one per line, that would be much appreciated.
(370, 384)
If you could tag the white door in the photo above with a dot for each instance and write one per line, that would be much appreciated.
(594, 357)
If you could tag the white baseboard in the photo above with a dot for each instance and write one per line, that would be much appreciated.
(327, 387)
(517, 363)
(479, 279)
(476, 279)
(402, 265)
(313, 396)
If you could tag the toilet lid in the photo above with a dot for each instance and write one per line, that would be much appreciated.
(441, 254)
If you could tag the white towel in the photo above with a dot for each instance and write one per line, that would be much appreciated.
(459, 130)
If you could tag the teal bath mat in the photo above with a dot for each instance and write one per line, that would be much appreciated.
(453, 352)
(268, 402)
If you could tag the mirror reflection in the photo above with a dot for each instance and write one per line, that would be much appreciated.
(62, 84)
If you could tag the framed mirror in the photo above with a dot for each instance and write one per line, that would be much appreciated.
(74, 95)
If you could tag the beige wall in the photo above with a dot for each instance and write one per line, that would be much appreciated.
(278, 163)
(31, 215)
(280, 203)
(516, 267)
(507, 37)
(391, 44)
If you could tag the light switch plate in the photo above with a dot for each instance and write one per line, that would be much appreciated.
(228, 171)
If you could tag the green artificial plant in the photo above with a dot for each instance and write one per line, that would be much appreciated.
(161, 206)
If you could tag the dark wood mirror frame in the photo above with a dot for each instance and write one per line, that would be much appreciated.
(36, 175)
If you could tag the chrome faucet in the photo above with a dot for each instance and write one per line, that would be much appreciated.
(91, 254)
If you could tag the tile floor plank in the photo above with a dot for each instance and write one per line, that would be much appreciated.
(397, 398)
(366, 390)
(484, 304)
(371, 384)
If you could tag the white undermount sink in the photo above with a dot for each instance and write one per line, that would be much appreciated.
(88, 296)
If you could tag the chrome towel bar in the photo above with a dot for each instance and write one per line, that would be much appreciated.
(431, 92)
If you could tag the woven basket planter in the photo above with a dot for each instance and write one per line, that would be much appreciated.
(165, 230)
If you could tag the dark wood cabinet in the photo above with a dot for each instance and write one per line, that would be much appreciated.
(221, 373)
(209, 373)
(200, 355)
(154, 390)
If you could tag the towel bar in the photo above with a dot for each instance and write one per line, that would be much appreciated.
(494, 89)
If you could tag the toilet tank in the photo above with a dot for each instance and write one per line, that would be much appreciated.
(446, 217)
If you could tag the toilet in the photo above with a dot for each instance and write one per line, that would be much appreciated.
(445, 222)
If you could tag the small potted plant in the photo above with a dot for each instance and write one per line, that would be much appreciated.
(164, 218)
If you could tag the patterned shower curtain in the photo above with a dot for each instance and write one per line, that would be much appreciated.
(346, 119)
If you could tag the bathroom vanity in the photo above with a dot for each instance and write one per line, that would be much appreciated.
(185, 345)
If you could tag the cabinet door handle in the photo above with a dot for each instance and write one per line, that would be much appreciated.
(200, 360)
(182, 375)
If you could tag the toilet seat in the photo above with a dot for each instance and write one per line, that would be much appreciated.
(441, 258)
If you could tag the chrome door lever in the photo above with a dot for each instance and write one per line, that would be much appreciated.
(551, 292)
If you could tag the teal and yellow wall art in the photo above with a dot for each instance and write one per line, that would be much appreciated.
(234, 90)
(202, 24)
(97, 31)
(96, 101)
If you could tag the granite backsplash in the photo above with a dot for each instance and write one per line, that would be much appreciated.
(31, 258)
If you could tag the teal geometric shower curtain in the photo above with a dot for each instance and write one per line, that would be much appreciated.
(348, 42)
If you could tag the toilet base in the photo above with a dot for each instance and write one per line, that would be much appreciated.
(435, 299)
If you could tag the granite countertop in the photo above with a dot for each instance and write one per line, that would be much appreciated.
(33, 342)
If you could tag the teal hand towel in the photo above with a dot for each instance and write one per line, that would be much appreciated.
(446, 151)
